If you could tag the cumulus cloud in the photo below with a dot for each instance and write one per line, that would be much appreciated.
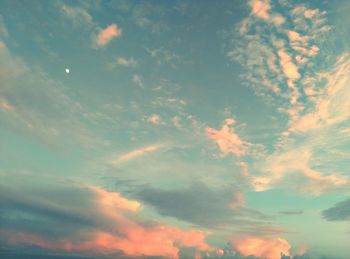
(262, 247)
(110, 224)
(107, 34)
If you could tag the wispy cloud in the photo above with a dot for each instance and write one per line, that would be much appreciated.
(24, 97)
(131, 62)
(137, 153)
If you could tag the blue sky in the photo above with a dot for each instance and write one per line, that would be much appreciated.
(175, 129)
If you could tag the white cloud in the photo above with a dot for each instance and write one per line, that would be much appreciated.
(131, 62)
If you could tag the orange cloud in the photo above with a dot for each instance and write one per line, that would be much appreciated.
(162, 241)
(107, 34)
(289, 68)
(268, 248)
(125, 233)
(260, 8)
(154, 119)
(227, 139)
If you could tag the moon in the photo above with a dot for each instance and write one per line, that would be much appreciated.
(67, 70)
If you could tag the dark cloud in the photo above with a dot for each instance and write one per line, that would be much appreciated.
(339, 212)
(198, 204)
(291, 212)
(53, 212)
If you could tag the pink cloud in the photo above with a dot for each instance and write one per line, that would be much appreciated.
(268, 248)
(107, 34)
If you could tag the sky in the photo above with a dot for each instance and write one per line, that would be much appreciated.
(175, 129)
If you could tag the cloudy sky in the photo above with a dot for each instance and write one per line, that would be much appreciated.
(175, 129)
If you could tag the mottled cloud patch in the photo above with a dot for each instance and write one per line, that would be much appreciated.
(268, 247)
(339, 212)
(277, 50)
(280, 62)
(107, 34)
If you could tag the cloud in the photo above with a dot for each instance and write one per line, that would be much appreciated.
(137, 153)
(281, 65)
(136, 79)
(107, 34)
(78, 15)
(6, 106)
(39, 106)
(296, 164)
(268, 247)
(228, 140)
(291, 212)
(289, 68)
(199, 204)
(260, 8)
(276, 54)
(339, 212)
(96, 222)
(131, 62)
(154, 119)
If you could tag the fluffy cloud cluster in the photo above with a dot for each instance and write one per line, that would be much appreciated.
(96, 221)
